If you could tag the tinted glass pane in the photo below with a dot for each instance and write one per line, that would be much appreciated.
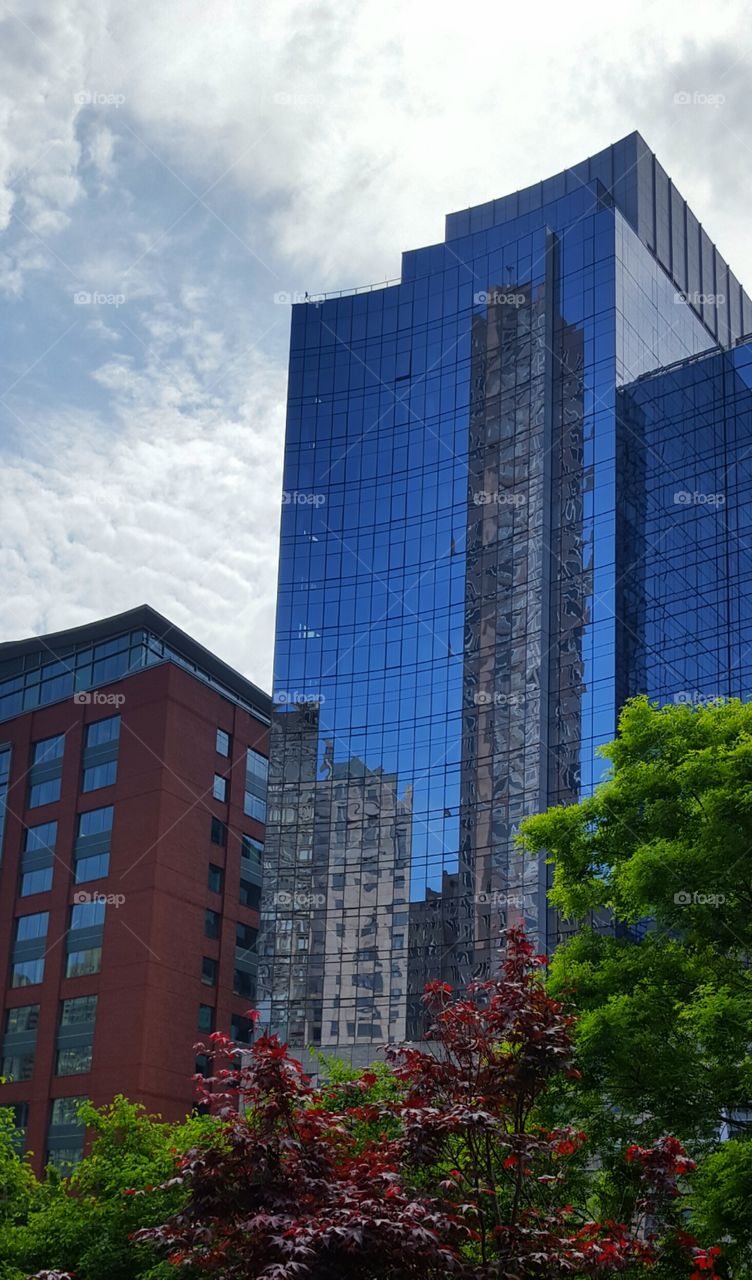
(36, 881)
(24, 1018)
(18, 1067)
(73, 1062)
(48, 749)
(103, 731)
(86, 914)
(65, 1159)
(245, 935)
(78, 1009)
(218, 832)
(252, 849)
(250, 894)
(99, 775)
(32, 926)
(64, 1111)
(93, 868)
(241, 1029)
(95, 821)
(254, 807)
(243, 984)
(44, 792)
(41, 837)
(212, 922)
(80, 963)
(26, 973)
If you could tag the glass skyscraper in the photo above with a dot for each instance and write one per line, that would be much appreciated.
(685, 522)
(482, 555)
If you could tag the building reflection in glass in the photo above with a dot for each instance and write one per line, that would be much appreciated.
(465, 593)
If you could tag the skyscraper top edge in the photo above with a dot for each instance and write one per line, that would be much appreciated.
(628, 176)
(613, 166)
(656, 210)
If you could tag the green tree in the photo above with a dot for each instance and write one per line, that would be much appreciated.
(664, 999)
(442, 1170)
(18, 1190)
(343, 1088)
(723, 1201)
(83, 1223)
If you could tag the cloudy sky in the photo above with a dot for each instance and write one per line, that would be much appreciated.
(182, 164)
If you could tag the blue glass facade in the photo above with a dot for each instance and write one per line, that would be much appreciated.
(449, 647)
(686, 530)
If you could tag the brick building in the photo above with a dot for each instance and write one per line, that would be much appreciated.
(132, 809)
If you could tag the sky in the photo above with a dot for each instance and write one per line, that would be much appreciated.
(170, 174)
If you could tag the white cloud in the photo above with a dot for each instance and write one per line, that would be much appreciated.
(100, 151)
(219, 153)
(350, 132)
(180, 511)
(43, 55)
(362, 127)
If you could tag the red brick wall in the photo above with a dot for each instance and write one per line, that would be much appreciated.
(150, 986)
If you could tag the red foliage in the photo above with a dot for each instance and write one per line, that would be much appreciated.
(285, 1193)
(458, 1181)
